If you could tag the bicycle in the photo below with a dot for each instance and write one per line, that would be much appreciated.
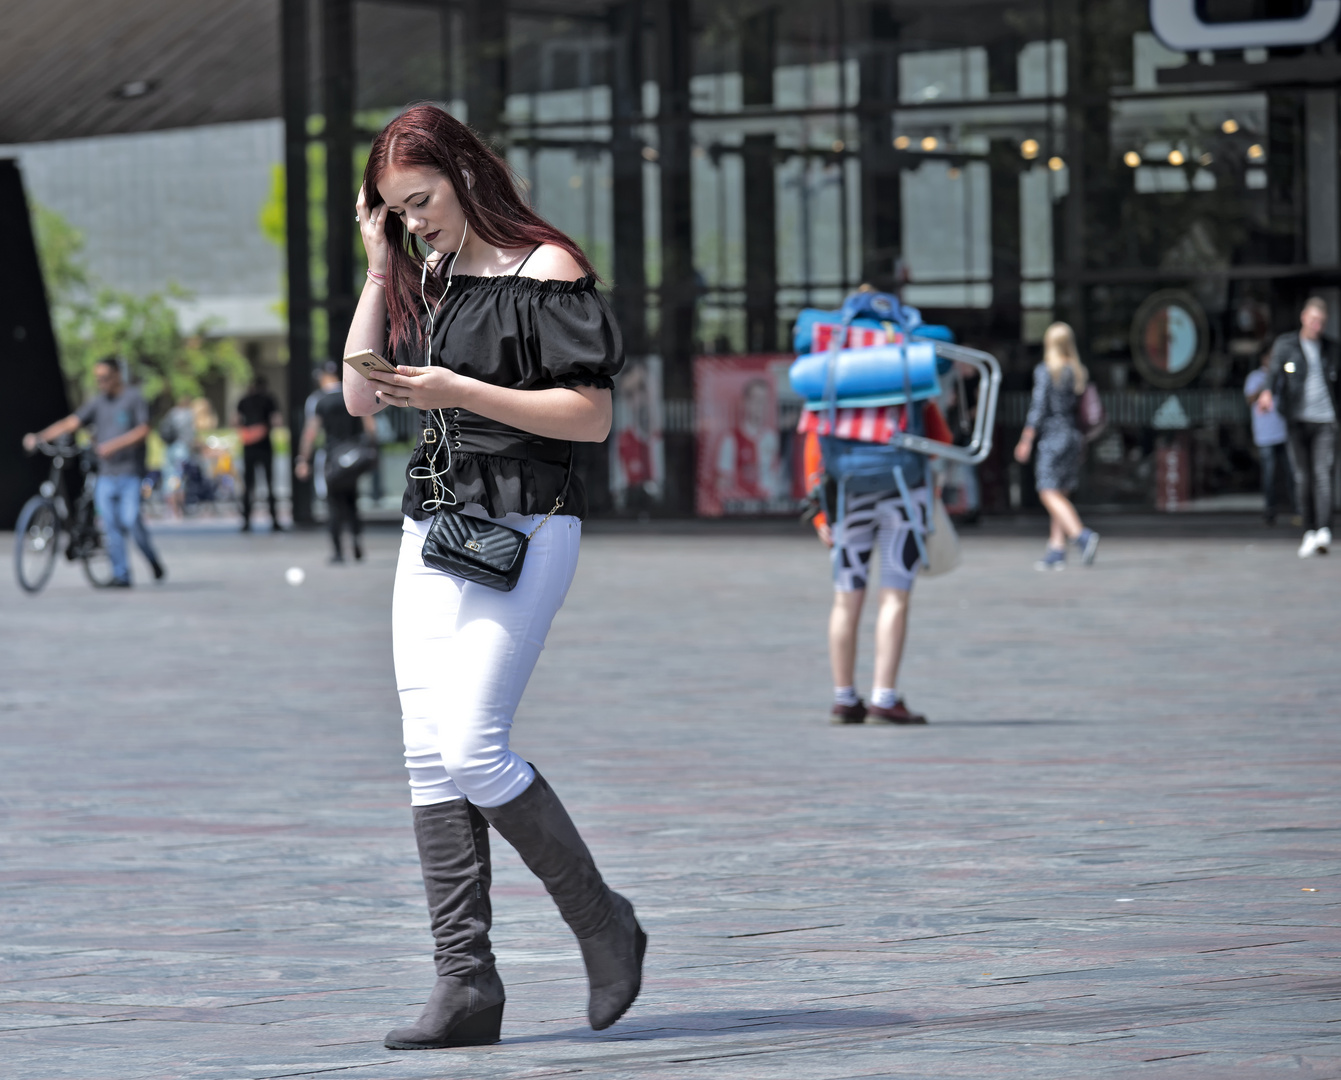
(59, 512)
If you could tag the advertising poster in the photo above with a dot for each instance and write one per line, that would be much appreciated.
(744, 446)
(637, 455)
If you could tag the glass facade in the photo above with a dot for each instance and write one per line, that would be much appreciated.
(1168, 187)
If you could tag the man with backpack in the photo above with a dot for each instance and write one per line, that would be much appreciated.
(880, 519)
(349, 452)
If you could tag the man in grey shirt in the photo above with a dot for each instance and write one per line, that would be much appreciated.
(1303, 378)
(119, 418)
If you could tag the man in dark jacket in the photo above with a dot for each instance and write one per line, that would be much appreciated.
(1303, 378)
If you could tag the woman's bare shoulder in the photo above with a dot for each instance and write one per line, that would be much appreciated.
(552, 263)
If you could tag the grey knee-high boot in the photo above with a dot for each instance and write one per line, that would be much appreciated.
(612, 942)
(466, 1005)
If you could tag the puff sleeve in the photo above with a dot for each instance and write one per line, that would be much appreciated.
(577, 340)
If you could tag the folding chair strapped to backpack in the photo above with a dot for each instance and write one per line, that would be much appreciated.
(906, 374)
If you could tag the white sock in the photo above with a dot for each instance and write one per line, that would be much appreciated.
(844, 695)
(884, 697)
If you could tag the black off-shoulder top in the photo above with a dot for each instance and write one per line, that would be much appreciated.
(525, 334)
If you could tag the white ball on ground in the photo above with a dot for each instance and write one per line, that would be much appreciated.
(294, 575)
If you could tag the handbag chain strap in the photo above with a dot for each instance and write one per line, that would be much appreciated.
(558, 501)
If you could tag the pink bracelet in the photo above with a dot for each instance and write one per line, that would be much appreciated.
(377, 279)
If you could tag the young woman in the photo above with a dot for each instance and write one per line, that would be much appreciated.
(1058, 383)
(507, 350)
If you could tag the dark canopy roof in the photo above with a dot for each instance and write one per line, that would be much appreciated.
(75, 68)
(71, 68)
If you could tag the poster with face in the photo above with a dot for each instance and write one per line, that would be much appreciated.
(744, 453)
(637, 455)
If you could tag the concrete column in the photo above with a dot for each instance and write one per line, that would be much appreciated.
(294, 45)
(484, 33)
(881, 195)
(337, 92)
(679, 289)
(629, 298)
(1320, 151)
(758, 58)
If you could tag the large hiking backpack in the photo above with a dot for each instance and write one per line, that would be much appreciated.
(893, 374)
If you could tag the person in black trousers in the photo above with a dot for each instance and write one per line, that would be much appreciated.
(257, 414)
(329, 415)
(1303, 378)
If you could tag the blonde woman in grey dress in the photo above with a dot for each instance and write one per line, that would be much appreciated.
(1051, 430)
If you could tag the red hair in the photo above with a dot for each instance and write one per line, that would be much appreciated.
(427, 137)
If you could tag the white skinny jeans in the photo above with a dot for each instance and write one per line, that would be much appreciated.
(464, 653)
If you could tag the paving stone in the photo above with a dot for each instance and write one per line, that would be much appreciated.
(1095, 861)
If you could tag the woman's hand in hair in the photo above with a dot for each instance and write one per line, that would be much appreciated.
(372, 224)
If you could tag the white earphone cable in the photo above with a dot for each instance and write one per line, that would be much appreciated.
(431, 472)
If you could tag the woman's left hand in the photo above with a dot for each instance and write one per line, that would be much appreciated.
(418, 387)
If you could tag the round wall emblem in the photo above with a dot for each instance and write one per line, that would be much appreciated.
(1170, 338)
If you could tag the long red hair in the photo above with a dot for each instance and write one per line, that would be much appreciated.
(427, 137)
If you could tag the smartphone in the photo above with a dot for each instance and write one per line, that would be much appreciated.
(367, 360)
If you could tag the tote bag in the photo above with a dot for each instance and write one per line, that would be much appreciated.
(943, 552)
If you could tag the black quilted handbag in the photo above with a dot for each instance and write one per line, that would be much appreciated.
(479, 550)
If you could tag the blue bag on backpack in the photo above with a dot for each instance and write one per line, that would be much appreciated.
(866, 468)
(870, 376)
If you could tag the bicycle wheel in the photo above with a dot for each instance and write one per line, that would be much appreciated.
(98, 568)
(36, 538)
(93, 554)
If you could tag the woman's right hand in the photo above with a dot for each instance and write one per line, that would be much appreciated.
(1024, 447)
(372, 224)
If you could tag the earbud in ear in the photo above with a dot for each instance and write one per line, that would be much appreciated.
(466, 176)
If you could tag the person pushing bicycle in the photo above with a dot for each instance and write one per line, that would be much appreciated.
(119, 418)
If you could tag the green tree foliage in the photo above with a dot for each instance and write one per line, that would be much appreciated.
(93, 320)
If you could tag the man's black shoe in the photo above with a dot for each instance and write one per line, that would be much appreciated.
(160, 572)
(119, 583)
(848, 714)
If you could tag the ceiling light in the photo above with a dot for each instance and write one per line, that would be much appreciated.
(1176, 157)
(1255, 152)
(1229, 127)
(1029, 149)
(1132, 158)
(930, 143)
(902, 142)
(1056, 164)
(838, 146)
(650, 153)
(137, 89)
(1205, 159)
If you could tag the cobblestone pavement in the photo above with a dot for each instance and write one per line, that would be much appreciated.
(1114, 852)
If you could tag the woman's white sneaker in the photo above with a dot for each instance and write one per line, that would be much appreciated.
(1310, 545)
(1322, 540)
